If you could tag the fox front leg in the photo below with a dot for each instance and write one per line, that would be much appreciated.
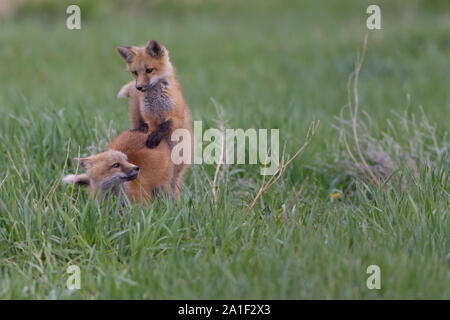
(161, 131)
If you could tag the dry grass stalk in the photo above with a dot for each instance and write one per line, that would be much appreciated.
(3, 181)
(282, 167)
(219, 164)
(412, 143)
(298, 193)
(58, 181)
(22, 153)
(221, 124)
(76, 173)
(291, 203)
(362, 165)
(14, 167)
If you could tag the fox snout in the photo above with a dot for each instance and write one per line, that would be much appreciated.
(133, 170)
(130, 173)
(143, 86)
(142, 83)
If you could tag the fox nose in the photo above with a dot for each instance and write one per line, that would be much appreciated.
(139, 88)
(132, 171)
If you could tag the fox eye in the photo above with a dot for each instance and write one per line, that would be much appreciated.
(115, 165)
(149, 70)
(134, 72)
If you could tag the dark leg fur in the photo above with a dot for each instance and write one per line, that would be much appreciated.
(143, 127)
(154, 138)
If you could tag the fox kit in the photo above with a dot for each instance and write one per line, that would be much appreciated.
(155, 96)
(128, 167)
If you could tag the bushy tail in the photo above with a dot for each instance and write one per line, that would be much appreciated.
(125, 91)
(78, 179)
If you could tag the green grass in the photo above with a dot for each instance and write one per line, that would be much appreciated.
(267, 66)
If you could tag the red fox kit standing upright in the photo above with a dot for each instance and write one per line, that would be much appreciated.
(155, 96)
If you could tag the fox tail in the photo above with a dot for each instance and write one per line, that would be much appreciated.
(125, 91)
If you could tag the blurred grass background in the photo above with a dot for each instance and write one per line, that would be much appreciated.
(271, 64)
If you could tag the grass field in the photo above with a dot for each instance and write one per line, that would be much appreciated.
(277, 65)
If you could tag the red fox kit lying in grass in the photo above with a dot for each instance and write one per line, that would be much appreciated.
(155, 96)
(128, 167)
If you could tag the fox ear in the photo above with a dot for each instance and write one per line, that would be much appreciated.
(154, 49)
(83, 162)
(126, 53)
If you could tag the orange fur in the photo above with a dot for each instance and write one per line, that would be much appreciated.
(155, 58)
(127, 166)
(156, 167)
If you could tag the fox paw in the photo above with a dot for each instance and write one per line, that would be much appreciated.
(154, 139)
